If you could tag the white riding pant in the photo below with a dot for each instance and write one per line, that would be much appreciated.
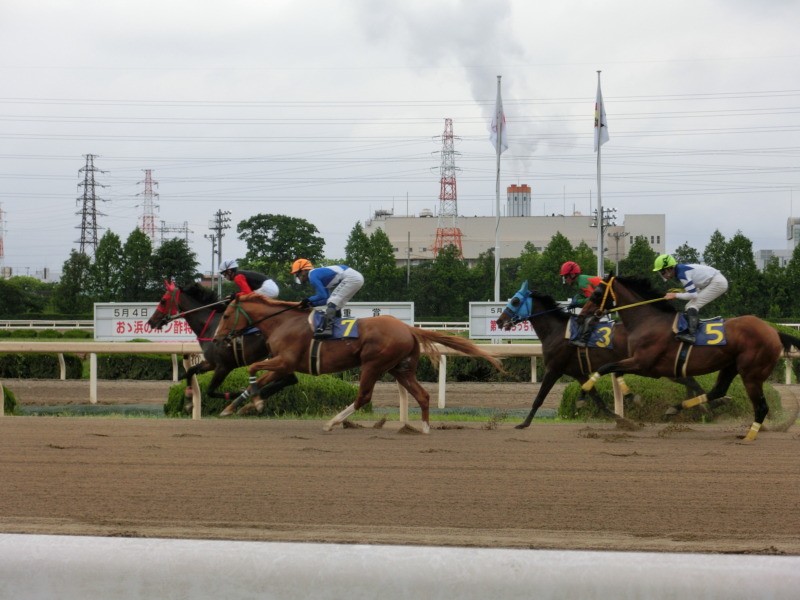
(717, 286)
(344, 291)
(269, 289)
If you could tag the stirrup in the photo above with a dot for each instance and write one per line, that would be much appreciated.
(686, 338)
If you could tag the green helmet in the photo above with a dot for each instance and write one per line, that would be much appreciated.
(663, 262)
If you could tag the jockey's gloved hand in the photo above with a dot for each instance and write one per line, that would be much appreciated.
(572, 305)
(305, 303)
(230, 298)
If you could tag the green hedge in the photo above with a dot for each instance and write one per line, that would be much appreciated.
(9, 401)
(149, 367)
(313, 396)
(39, 366)
(657, 395)
(77, 334)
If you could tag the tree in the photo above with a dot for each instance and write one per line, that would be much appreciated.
(137, 280)
(104, 281)
(440, 288)
(686, 255)
(778, 299)
(745, 292)
(36, 295)
(792, 278)
(358, 248)
(275, 241)
(640, 259)
(71, 295)
(175, 261)
(12, 299)
(383, 281)
(547, 273)
(714, 253)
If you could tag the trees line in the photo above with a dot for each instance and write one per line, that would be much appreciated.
(441, 289)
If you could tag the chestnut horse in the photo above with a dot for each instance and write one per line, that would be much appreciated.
(751, 347)
(550, 323)
(202, 310)
(384, 344)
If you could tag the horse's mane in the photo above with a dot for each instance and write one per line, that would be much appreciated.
(642, 286)
(549, 304)
(201, 293)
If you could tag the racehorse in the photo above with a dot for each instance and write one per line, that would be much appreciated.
(202, 310)
(751, 347)
(550, 323)
(384, 344)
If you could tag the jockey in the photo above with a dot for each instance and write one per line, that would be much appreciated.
(571, 275)
(335, 286)
(248, 281)
(701, 284)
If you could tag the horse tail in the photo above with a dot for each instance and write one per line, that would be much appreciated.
(427, 339)
(788, 341)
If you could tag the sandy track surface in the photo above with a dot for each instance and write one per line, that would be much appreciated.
(558, 486)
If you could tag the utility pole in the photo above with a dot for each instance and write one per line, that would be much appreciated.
(220, 223)
(213, 238)
(89, 200)
(617, 235)
(604, 222)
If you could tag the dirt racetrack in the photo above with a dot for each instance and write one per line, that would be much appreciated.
(552, 486)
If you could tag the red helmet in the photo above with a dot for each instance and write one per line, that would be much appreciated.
(570, 267)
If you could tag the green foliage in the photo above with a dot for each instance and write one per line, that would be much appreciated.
(104, 281)
(5, 333)
(39, 366)
(657, 395)
(149, 367)
(9, 401)
(71, 295)
(49, 334)
(77, 334)
(175, 261)
(137, 268)
(314, 396)
(23, 333)
(640, 259)
(686, 254)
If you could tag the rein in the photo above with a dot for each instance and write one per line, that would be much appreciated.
(234, 333)
(614, 298)
(194, 310)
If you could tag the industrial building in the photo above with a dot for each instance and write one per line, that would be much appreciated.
(413, 237)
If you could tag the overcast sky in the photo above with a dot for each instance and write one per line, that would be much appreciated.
(331, 110)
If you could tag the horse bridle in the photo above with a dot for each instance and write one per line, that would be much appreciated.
(173, 311)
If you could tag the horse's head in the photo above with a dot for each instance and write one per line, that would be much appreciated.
(234, 322)
(167, 306)
(518, 308)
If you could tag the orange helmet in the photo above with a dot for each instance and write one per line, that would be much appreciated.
(301, 264)
(570, 267)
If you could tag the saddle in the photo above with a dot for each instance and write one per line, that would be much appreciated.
(710, 332)
(342, 328)
(602, 333)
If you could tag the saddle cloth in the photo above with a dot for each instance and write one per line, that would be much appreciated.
(710, 332)
(342, 328)
(602, 334)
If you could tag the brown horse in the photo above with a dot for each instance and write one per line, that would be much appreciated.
(384, 344)
(550, 323)
(202, 310)
(751, 348)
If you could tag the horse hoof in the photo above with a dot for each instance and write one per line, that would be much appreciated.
(426, 427)
(226, 412)
(522, 426)
(327, 427)
(259, 405)
(671, 411)
(188, 407)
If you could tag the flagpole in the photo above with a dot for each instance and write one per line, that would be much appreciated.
(499, 120)
(600, 261)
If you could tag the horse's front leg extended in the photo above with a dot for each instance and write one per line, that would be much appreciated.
(619, 368)
(550, 377)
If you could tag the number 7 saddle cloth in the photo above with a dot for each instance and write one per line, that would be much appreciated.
(342, 328)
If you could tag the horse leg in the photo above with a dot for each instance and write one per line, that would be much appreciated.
(366, 384)
(755, 391)
(628, 365)
(548, 381)
(405, 374)
(201, 367)
(714, 398)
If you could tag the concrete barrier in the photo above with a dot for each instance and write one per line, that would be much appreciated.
(67, 567)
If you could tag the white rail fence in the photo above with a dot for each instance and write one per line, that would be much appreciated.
(191, 350)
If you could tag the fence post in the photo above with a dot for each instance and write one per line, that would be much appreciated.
(442, 380)
(93, 378)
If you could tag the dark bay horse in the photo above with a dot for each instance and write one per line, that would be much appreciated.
(550, 323)
(751, 347)
(384, 344)
(202, 310)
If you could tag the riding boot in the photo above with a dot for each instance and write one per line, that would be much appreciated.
(582, 340)
(325, 329)
(692, 321)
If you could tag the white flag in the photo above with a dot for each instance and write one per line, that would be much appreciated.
(499, 122)
(600, 125)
